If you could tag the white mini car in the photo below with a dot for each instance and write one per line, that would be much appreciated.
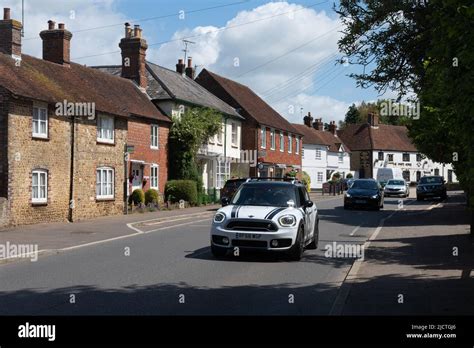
(267, 215)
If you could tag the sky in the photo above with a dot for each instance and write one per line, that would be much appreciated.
(284, 50)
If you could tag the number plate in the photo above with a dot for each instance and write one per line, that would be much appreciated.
(361, 201)
(247, 236)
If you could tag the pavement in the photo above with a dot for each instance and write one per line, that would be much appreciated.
(160, 264)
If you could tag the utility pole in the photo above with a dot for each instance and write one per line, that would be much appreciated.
(186, 43)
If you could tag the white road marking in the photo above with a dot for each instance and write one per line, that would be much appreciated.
(355, 230)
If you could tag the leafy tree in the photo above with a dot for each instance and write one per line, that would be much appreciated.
(353, 115)
(424, 48)
(187, 134)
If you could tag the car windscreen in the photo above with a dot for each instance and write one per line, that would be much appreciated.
(363, 184)
(396, 182)
(265, 195)
(431, 180)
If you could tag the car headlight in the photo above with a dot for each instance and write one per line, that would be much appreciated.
(348, 195)
(219, 217)
(375, 196)
(287, 220)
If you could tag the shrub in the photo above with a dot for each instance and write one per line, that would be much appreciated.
(306, 180)
(137, 197)
(349, 176)
(186, 190)
(151, 196)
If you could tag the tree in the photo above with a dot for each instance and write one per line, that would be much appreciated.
(424, 48)
(352, 115)
(187, 134)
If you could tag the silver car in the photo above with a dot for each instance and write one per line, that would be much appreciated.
(396, 187)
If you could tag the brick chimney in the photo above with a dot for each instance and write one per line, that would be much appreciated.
(10, 35)
(332, 127)
(57, 44)
(190, 71)
(134, 47)
(180, 67)
(318, 124)
(373, 119)
(308, 120)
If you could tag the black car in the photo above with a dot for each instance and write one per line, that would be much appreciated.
(230, 188)
(431, 186)
(364, 192)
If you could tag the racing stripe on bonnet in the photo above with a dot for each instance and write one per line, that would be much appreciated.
(234, 210)
(273, 213)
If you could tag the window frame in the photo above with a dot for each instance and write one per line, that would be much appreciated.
(155, 137)
(101, 196)
(340, 157)
(39, 200)
(381, 156)
(390, 157)
(282, 142)
(297, 141)
(272, 139)
(263, 136)
(156, 167)
(318, 151)
(403, 157)
(39, 121)
(99, 129)
(290, 143)
(318, 174)
(236, 142)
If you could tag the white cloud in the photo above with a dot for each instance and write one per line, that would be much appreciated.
(276, 29)
(77, 15)
(327, 108)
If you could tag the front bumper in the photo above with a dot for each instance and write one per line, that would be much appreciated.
(362, 201)
(259, 240)
(395, 193)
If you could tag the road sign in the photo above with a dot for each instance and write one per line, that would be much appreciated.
(130, 148)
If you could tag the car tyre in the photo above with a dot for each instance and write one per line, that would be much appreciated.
(419, 198)
(218, 252)
(314, 244)
(297, 250)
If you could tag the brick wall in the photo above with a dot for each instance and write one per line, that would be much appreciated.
(4, 102)
(90, 155)
(26, 154)
(139, 135)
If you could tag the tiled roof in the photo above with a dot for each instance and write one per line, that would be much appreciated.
(42, 80)
(383, 137)
(317, 137)
(166, 84)
(240, 96)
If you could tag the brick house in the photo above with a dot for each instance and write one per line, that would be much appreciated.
(173, 92)
(58, 160)
(324, 153)
(276, 143)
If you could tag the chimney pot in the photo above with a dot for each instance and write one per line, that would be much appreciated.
(190, 71)
(190, 62)
(51, 25)
(6, 13)
(62, 26)
(308, 120)
(318, 124)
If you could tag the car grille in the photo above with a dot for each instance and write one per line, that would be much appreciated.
(252, 225)
(249, 243)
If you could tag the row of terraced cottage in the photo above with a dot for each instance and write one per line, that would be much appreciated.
(78, 163)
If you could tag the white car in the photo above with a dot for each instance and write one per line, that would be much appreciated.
(267, 215)
(396, 187)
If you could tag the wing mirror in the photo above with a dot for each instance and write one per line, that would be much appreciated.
(225, 201)
(308, 204)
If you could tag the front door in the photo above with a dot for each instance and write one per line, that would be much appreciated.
(137, 175)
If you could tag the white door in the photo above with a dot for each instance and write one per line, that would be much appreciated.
(137, 173)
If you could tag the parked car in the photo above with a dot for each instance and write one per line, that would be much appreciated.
(431, 186)
(230, 188)
(364, 192)
(346, 184)
(396, 187)
(276, 216)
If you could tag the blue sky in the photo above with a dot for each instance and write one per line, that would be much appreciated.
(285, 51)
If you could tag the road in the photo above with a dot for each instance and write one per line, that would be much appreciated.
(170, 271)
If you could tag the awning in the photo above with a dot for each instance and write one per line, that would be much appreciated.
(279, 165)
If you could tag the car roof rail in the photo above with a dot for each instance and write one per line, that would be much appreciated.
(268, 178)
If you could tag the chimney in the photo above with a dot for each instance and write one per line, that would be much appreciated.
(308, 120)
(373, 119)
(318, 124)
(180, 67)
(57, 44)
(332, 127)
(134, 48)
(10, 35)
(190, 71)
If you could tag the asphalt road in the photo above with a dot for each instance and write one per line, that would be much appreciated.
(171, 271)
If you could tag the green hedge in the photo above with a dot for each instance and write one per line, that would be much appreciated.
(186, 190)
(306, 180)
(137, 197)
(151, 196)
